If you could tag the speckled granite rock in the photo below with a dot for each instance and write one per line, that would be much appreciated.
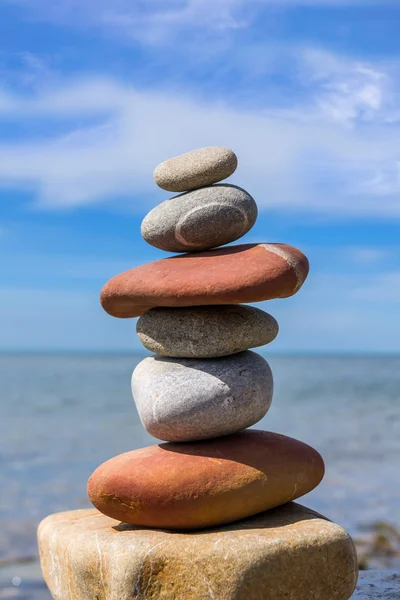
(230, 275)
(195, 169)
(180, 399)
(205, 331)
(290, 552)
(204, 484)
(201, 219)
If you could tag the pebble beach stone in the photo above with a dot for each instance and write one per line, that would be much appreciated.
(290, 552)
(181, 400)
(195, 169)
(205, 331)
(201, 219)
(230, 275)
(204, 484)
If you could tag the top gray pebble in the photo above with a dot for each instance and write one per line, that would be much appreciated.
(195, 169)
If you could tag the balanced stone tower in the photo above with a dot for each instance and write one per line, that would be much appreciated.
(209, 513)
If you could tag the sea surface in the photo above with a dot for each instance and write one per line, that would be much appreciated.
(63, 415)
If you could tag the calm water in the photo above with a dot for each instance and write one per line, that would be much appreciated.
(61, 416)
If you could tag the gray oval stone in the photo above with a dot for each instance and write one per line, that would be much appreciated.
(201, 219)
(195, 169)
(205, 331)
(181, 400)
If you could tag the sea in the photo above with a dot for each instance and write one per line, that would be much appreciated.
(61, 415)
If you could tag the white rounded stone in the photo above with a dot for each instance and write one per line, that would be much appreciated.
(181, 400)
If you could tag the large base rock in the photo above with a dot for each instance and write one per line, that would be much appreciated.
(290, 552)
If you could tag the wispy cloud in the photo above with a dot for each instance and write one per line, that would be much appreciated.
(350, 89)
(368, 255)
(156, 21)
(307, 157)
(150, 21)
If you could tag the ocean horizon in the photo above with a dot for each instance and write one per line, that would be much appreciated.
(65, 413)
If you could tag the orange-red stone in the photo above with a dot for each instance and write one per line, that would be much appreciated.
(202, 484)
(230, 275)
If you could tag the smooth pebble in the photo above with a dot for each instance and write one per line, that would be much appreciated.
(230, 275)
(193, 399)
(205, 484)
(205, 331)
(195, 169)
(201, 219)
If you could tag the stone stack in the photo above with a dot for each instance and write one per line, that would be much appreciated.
(199, 393)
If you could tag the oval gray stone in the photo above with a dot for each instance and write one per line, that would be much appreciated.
(181, 400)
(195, 169)
(201, 219)
(205, 331)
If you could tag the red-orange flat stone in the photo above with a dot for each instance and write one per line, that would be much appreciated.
(201, 484)
(230, 275)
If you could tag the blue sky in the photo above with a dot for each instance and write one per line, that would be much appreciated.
(94, 95)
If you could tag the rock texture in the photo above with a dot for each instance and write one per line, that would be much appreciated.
(290, 552)
(201, 219)
(231, 275)
(196, 169)
(205, 331)
(182, 400)
(203, 484)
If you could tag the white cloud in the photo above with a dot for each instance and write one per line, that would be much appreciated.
(384, 181)
(348, 89)
(158, 21)
(34, 70)
(149, 21)
(300, 158)
(367, 255)
(154, 22)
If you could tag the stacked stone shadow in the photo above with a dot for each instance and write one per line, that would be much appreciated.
(199, 393)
